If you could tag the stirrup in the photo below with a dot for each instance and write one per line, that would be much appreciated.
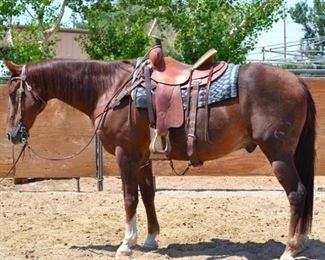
(156, 146)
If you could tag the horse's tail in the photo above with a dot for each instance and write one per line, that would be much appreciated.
(305, 160)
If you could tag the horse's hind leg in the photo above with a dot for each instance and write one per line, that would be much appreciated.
(148, 196)
(129, 165)
(286, 173)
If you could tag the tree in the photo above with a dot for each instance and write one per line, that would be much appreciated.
(117, 29)
(313, 21)
(231, 27)
(34, 40)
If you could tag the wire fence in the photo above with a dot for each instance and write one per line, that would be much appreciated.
(303, 54)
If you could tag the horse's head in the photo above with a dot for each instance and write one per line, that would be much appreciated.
(24, 104)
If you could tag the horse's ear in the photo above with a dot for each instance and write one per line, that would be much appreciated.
(12, 67)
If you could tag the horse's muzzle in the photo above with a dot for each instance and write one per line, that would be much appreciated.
(18, 134)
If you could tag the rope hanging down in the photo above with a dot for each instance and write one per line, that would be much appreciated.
(15, 162)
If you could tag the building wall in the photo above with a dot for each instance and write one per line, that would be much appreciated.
(68, 45)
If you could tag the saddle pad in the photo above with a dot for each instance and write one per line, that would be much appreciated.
(225, 87)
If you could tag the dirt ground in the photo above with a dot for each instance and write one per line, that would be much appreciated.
(200, 218)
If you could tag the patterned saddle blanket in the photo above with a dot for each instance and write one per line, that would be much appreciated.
(225, 87)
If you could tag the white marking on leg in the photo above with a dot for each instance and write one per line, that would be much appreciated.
(287, 256)
(130, 237)
(150, 242)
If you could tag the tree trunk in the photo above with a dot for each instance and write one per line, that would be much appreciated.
(8, 37)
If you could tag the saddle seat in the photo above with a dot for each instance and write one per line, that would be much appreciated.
(169, 71)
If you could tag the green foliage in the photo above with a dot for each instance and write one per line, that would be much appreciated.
(313, 21)
(27, 47)
(30, 42)
(9, 8)
(117, 29)
(115, 32)
(311, 18)
(231, 27)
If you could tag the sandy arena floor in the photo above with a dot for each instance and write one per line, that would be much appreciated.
(200, 218)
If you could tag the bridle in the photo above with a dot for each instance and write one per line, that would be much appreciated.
(24, 87)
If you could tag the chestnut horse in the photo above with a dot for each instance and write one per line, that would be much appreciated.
(274, 110)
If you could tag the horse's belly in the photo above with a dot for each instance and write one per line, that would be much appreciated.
(227, 133)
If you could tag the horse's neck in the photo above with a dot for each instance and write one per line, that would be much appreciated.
(80, 89)
(75, 94)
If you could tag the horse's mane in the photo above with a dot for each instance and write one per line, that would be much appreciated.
(72, 78)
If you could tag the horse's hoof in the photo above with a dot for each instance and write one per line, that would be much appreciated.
(150, 243)
(122, 251)
(294, 248)
(290, 254)
(287, 256)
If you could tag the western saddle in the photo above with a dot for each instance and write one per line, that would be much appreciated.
(167, 76)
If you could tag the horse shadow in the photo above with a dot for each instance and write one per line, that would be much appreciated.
(97, 248)
(219, 249)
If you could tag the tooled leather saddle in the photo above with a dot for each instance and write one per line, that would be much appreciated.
(166, 76)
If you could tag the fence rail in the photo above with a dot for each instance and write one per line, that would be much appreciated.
(314, 72)
(58, 132)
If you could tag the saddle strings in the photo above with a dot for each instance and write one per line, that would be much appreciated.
(206, 107)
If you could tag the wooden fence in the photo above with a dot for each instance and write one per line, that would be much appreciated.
(61, 130)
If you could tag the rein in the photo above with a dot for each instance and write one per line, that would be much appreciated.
(15, 162)
(111, 103)
(102, 116)
(20, 91)
(37, 154)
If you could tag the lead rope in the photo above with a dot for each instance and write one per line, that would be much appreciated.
(13, 167)
(26, 145)
(102, 117)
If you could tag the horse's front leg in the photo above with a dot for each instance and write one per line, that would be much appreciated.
(129, 165)
(148, 196)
